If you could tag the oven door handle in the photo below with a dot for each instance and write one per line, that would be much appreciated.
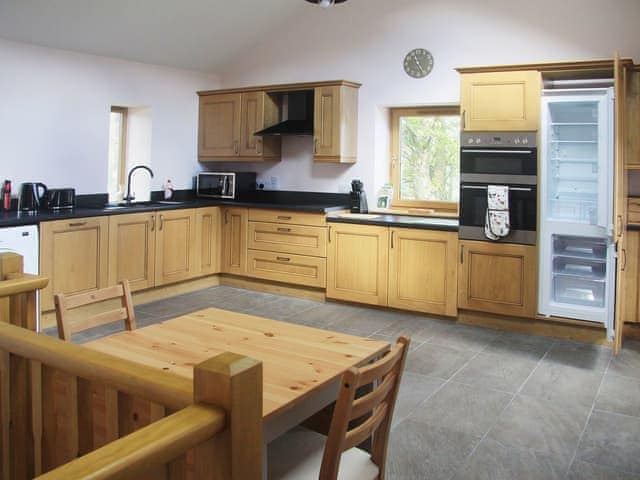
(524, 152)
(481, 187)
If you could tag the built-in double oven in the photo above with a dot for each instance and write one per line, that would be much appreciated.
(506, 159)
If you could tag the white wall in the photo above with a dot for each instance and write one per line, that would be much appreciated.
(54, 116)
(366, 40)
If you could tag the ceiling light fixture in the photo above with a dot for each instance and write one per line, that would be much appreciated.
(325, 3)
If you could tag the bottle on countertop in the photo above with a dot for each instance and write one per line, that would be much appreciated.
(6, 195)
(168, 190)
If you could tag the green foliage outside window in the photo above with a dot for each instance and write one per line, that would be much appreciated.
(429, 158)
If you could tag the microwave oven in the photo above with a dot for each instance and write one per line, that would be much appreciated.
(227, 185)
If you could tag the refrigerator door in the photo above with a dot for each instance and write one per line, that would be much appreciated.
(576, 203)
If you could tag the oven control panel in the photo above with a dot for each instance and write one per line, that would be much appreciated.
(498, 139)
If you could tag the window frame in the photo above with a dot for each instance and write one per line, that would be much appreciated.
(122, 170)
(394, 166)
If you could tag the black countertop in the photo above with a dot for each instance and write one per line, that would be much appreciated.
(634, 227)
(94, 205)
(405, 221)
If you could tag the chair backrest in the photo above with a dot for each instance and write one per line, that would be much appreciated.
(67, 326)
(384, 376)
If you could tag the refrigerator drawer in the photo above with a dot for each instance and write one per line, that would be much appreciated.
(577, 291)
(583, 268)
(580, 247)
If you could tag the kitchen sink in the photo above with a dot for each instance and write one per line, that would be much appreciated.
(121, 205)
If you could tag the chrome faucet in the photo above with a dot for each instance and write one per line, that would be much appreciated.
(130, 197)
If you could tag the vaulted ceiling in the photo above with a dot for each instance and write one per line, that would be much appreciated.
(201, 35)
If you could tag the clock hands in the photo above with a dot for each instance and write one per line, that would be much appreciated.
(418, 64)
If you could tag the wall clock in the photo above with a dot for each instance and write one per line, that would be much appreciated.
(418, 63)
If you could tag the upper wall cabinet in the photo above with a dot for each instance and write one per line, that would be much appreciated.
(230, 118)
(500, 101)
(335, 124)
(219, 128)
(227, 125)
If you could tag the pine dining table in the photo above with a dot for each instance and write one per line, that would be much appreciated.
(302, 366)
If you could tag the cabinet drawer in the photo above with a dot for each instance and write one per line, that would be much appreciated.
(289, 217)
(297, 269)
(633, 210)
(284, 238)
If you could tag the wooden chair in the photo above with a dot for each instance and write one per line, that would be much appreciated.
(67, 326)
(299, 453)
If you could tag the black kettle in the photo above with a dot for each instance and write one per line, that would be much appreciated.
(31, 197)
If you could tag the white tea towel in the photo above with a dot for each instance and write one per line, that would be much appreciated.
(496, 225)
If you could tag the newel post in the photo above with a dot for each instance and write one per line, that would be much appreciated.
(234, 383)
(18, 309)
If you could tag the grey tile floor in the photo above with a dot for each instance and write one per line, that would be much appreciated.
(476, 403)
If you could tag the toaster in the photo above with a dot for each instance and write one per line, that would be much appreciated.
(61, 198)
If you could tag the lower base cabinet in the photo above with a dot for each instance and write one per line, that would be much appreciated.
(423, 271)
(405, 268)
(208, 235)
(175, 246)
(631, 303)
(357, 263)
(73, 255)
(498, 278)
(288, 268)
(235, 222)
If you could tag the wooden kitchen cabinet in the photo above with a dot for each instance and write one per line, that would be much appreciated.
(631, 260)
(335, 124)
(423, 271)
(175, 246)
(258, 111)
(208, 240)
(132, 247)
(228, 122)
(73, 255)
(234, 240)
(219, 126)
(357, 263)
(500, 101)
(497, 278)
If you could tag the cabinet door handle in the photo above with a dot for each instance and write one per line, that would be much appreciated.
(282, 217)
(329, 234)
(461, 253)
(315, 145)
(161, 222)
(464, 119)
(153, 222)
(283, 259)
(392, 232)
(258, 146)
(236, 146)
(77, 224)
(619, 226)
(624, 260)
(285, 230)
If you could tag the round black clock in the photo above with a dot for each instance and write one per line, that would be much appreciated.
(418, 63)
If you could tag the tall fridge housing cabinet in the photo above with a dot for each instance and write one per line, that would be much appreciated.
(577, 255)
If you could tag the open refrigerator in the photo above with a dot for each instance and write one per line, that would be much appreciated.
(577, 252)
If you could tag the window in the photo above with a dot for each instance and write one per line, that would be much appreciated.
(117, 153)
(425, 157)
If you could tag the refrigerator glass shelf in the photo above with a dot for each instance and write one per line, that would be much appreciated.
(568, 178)
(576, 124)
(574, 160)
(574, 141)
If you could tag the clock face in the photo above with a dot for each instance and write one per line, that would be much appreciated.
(418, 63)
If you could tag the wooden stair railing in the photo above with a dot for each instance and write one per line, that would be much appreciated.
(56, 417)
